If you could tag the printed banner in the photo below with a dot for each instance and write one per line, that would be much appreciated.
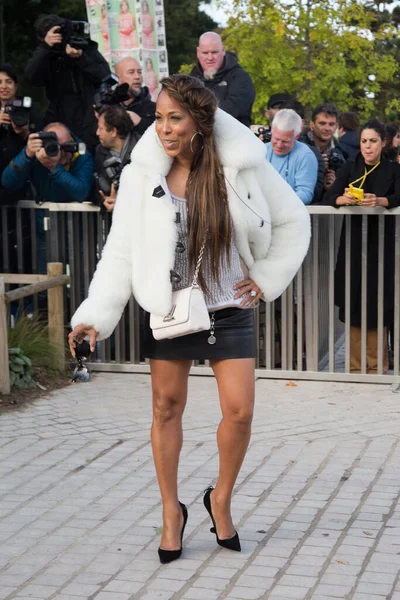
(131, 28)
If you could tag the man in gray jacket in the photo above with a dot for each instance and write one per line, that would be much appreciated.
(221, 72)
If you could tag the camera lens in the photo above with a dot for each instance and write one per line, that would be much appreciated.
(20, 118)
(51, 148)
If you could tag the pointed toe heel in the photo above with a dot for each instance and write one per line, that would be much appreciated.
(167, 556)
(232, 543)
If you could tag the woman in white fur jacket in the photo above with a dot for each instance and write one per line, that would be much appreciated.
(197, 175)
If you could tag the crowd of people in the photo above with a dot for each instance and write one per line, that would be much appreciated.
(73, 77)
(323, 161)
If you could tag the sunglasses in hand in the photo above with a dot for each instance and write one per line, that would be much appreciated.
(81, 372)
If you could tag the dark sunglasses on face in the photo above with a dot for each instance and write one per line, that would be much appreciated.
(81, 372)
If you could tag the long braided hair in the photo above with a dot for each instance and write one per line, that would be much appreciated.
(206, 195)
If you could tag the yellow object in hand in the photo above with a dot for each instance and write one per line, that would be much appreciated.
(357, 193)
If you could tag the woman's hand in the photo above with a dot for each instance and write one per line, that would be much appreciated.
(347, 199)
(78, 334)
(4, 118)
(250, 290)
(370, 200)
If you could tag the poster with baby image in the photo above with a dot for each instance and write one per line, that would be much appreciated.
(134, 28)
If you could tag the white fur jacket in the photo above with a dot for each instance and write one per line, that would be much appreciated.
(271, 225)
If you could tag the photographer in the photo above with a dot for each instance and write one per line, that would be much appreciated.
(52, 168)
(70, 67)
(59, 175)
(323, 126)
(140, 105)
(117, 139)
(16, 121)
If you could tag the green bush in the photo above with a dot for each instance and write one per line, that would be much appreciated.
(20, 369)
(30, 335)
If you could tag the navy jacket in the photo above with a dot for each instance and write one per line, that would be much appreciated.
(349, 144)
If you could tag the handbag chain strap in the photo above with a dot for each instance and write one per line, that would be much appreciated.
(199, 260)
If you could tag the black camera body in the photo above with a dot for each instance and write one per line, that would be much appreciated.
(336, 159)
(52, 146)
(113, 169)
(110, 93)
(75, 33)
(263, 134)
(19, 110)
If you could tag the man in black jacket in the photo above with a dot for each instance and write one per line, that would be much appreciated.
(140, 106)
(220, 71)
(70, 77)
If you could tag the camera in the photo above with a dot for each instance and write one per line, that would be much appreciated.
(75, 33)
(263, 134)
(108, 94)
(19, 110)
(52, 146)
(336, 160)
(113, 169)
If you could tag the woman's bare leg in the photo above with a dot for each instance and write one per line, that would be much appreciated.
(169, 384)
(235, 379)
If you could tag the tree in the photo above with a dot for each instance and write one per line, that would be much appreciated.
(184, 23)
(387, 97)
(318, 50)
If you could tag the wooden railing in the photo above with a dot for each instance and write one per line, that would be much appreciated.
(53, 282)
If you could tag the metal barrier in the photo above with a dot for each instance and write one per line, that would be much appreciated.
(299, 335)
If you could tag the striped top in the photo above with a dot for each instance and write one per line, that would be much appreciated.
(220, 295)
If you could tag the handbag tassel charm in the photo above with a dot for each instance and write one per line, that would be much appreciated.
(212, 339)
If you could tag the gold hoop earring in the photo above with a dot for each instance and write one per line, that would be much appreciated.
(191, 142)
(158, 141)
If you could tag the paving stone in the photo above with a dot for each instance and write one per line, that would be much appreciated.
(246, 593)
(255, 582)
(80, 589)
(290, 592)
(198, 594)
(112, 596)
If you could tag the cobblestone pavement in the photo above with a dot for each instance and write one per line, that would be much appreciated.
(317, 502)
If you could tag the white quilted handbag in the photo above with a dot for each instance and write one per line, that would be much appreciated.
(188, 313)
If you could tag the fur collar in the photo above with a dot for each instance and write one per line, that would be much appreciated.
(237, 146)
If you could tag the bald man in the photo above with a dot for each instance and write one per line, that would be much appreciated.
(140, 105)
(220, 71)
(66, 177)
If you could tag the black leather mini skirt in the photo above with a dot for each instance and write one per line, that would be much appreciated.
(234, 331)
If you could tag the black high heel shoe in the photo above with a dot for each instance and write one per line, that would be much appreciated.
(167, 556)
(232, 543)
